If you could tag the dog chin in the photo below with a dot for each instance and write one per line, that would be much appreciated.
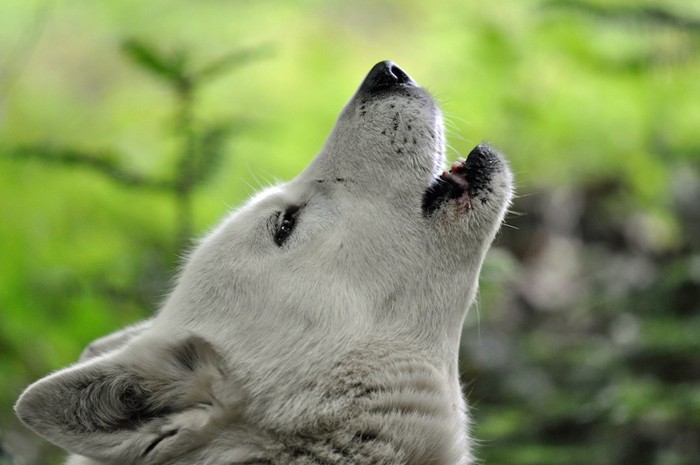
(468, 182)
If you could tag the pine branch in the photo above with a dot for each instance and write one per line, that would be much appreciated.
(170, 68)
(211, 142)
(642, 13)
(200, 147)
(102, 163)
(232, 61)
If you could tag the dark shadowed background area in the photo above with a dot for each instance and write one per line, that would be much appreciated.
(128, 127)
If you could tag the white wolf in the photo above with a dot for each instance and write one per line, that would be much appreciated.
(318, 324)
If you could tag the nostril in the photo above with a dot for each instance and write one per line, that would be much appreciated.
(399, 74)
(385, 75)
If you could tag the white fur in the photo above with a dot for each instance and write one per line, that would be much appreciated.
(340, 346)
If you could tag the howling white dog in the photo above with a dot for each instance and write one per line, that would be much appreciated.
(318, 324)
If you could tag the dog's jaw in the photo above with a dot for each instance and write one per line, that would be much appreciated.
(482, 178)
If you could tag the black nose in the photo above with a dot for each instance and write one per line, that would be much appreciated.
(385, 75)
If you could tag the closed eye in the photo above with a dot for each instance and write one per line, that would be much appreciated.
(286, 221)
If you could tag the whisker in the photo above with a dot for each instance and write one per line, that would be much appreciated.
(516, 213)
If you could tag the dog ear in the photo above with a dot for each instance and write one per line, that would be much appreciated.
(115, 340)
(140, 404)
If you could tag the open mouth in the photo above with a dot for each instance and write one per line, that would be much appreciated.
(466, 182)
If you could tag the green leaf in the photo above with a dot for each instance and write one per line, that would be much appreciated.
(102, 162)
(149, 59)
(234, 60)
(210, 148)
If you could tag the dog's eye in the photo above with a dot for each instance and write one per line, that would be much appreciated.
(285, 225)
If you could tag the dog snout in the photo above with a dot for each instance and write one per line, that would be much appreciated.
(386, 75)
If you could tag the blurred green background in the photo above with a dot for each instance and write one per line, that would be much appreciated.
(129, 127)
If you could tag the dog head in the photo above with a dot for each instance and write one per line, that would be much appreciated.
(372, 242)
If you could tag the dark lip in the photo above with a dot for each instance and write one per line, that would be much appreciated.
(479, 167)
(465, 181)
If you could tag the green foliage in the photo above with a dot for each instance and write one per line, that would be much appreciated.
(201, 145)
(175, 67)
(583, 347)
(171, 68)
